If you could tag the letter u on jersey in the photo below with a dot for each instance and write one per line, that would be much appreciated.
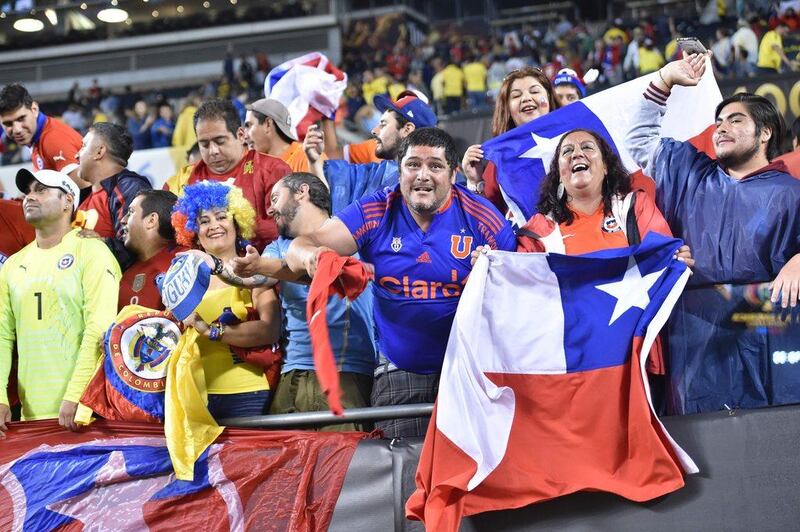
(460, 246)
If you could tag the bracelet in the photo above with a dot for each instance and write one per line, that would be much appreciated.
(218, 265)
(214, 333)
(662, 79)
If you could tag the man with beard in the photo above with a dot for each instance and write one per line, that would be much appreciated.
(301, 204)
(739, 214)
(349, 182)
(418, 236)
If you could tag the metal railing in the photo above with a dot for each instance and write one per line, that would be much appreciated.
(312, 419)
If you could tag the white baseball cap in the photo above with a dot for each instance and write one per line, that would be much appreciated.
(49, 178)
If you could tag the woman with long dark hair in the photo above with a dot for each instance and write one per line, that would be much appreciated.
(587, 204)
(526, 94)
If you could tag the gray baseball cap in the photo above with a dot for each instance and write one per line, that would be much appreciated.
(277, 112)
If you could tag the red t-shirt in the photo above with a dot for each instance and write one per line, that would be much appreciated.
(139, 283)
(255, 174)
(15, 232)
(93, 214)
(57, 147)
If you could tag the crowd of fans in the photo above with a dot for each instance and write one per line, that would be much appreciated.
(263, 209)
(458, 72)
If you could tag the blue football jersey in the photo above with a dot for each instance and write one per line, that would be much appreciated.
(419, 275)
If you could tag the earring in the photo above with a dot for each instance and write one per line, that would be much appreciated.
(560, 192)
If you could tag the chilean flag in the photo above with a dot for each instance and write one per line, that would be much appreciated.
(529, 410)
(523, 155)
(309, 86)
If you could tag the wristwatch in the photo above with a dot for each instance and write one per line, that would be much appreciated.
(476, 187)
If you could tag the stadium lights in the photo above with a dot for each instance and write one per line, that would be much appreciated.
(51, 16)
(112, 15)
(29, 25)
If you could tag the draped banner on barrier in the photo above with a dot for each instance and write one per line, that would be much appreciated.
(117, 475)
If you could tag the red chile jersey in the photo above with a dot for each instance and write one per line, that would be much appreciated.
(55, 145)
(140, 283)
(419, 275)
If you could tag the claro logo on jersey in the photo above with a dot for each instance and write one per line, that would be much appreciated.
(419, 289)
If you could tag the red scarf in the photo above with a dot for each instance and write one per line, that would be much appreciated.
(345, 277)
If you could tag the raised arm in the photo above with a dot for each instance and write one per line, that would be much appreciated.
(333, 235)
(642, 141)
(314, 146)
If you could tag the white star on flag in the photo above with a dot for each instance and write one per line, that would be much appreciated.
(545, 149)
(632, 290)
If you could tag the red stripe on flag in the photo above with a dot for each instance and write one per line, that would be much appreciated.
(590, 430)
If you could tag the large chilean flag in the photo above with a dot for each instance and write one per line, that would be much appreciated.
(523, 155)
(543, 392)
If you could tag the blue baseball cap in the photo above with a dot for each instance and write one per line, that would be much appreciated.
(410, 107)
(567, 76)
(185, 284)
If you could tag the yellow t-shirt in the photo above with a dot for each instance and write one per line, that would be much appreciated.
(475, 76)
(650, 60)
(453, 78)
(395, 89)
(767, 57)
(183, 136)
(225, 372)
(437, 86)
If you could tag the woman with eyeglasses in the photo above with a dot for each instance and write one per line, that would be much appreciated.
(524, 95)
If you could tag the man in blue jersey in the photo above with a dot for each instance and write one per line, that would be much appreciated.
(418, 236)
(349, 182)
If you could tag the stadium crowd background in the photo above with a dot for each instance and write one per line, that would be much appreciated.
(459, 66)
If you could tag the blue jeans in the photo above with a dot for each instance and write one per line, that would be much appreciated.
(223, 406)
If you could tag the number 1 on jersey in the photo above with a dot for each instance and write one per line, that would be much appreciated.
(38, 296)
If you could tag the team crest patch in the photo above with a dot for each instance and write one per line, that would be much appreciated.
(39, 162)
(138, 282)
(139, 347)
(65, 261)
(397, 243)
(460, 246)
(610, 225)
